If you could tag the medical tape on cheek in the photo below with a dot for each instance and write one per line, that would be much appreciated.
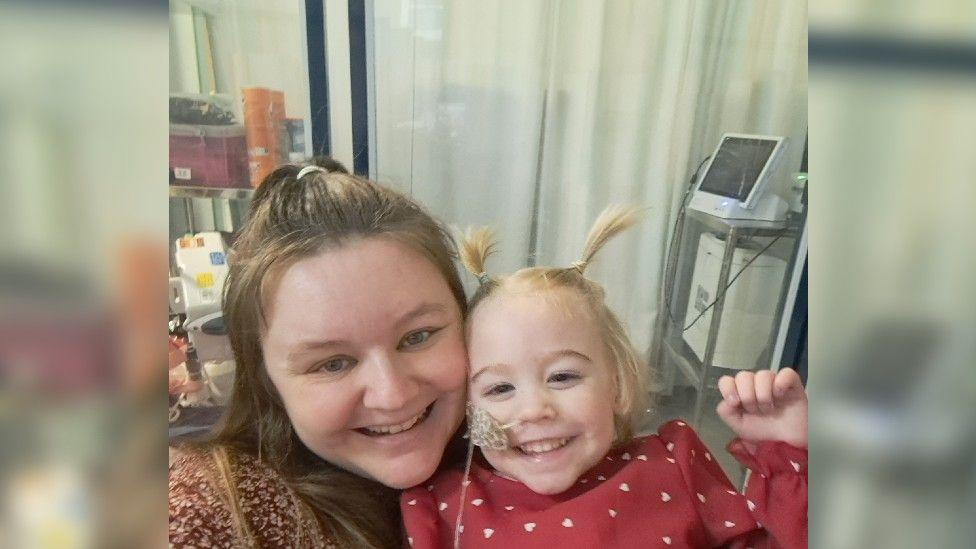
(486, 431)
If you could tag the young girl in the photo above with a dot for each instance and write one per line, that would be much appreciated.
(555, 389)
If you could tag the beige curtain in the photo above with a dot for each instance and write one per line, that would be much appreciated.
(533, 116)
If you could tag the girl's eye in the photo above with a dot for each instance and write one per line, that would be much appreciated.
(335, 365)
(564, 377)
(419, 337)
(499, 389)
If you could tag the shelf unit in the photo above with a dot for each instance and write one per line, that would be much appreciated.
(673, 346)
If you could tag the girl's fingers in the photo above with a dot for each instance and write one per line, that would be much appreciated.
(764, 390)
(787, 381)
(746, 387)
(726, 386)
(729, 413)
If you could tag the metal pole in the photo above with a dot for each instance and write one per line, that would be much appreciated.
(712, 342)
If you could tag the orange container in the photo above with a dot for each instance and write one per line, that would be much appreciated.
(264, 112)
(257, 95)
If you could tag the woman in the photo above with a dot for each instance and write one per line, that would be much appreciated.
(345, 314)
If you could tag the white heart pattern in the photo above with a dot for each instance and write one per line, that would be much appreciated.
(582, 481)
(665, 497)
(430, 488)
(796, 466)
(567, 523)
(442, 506)
(642, 457)
(410, 541)
(708, 456)
(529, 526)
(624, 487)
(681, 423)
(701, 498)
(601, 477)
(670, 446)
(460, 528)
(488, 532)
(666, 540)
(626, 456)
(612, 513)
(509, 507)
(477, 502)
(752, 506)
(729, 524)
(412, 502)
(671, 460)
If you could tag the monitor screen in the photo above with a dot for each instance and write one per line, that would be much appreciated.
(736, 167)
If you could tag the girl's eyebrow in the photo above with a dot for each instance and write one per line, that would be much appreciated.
(561, 353)
(486, 367)
(546, 359)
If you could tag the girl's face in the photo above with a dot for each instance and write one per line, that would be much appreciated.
(364, 344)
(539, 359)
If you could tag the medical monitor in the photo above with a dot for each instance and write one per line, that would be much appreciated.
(736, 176)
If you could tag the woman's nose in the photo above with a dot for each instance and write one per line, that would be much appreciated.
(390, 383)
(535, 406)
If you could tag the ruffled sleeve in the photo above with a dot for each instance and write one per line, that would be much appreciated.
(772, 513)
(777, 490)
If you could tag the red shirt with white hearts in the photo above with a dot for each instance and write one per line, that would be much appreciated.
(663, 490)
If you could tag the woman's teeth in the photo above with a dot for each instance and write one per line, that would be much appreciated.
(543, 446)
(394, 429)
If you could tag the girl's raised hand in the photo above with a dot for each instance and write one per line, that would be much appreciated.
(765, 405)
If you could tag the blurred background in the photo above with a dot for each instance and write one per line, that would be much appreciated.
(528, 116)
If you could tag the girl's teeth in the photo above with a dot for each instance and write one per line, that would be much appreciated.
(543, 446)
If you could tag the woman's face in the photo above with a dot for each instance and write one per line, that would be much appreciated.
(364, 343)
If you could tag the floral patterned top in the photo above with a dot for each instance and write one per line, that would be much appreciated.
(199, 515)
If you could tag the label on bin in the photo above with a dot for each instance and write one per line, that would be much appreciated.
(216, 258)
(181, 173)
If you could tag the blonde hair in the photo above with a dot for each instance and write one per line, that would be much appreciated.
(630, 375)
(292, 218)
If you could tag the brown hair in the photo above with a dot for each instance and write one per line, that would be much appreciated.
(630, 374)
(293, 218)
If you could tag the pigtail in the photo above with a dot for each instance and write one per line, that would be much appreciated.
(613, 220)
(476, 245)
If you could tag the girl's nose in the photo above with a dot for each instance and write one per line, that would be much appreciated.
(389, 383)
(535, 406)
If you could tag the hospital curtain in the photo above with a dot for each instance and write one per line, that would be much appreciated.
(533, 116)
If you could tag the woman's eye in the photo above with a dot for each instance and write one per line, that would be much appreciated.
(499, 389)
(564, 377)
(414, 339)
(333, 365)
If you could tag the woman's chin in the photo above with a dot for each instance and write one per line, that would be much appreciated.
(402, 475)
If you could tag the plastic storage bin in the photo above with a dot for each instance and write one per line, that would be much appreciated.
(208, 156)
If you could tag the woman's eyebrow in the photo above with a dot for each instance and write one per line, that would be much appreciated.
(421, 310)
(311, 345)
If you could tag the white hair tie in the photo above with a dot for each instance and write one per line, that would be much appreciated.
(309, 169)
